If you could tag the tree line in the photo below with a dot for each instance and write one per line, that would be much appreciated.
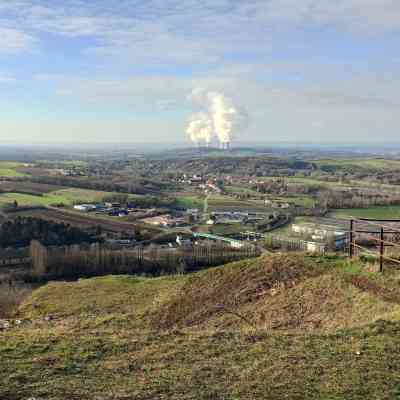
(20, 232)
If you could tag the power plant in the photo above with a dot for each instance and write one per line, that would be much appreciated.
(219, 119)
(225, 146)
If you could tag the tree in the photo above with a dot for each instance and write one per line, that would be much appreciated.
(99, 230)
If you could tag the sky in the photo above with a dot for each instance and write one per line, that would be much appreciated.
(317, 71)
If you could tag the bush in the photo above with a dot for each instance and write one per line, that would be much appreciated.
(11, 297)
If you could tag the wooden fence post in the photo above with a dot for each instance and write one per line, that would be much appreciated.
(382, 250)
(351, 244)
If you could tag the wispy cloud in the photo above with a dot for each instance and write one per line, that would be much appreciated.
(14, 41)
(279, 58)
(7, 78)
(201, 30)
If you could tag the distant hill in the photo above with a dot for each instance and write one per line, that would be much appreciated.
(283, 326)
(195, 152)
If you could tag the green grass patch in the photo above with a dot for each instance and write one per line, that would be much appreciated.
(321, 182)
(366, 163)
(73, 195)
(232, 189)
(9, 169)
(302, 201)
(383, 212)
(230, 229)
(65, 196)
(226, 202)
(190, 202)
(30, 200)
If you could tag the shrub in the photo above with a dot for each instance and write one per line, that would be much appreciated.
(11, 297)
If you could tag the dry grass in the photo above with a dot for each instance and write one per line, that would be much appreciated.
(104, 341)
(11, 297)
(286, 293)
(226, 290)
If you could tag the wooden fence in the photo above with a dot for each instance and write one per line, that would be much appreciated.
(14, 257)
(379, 239)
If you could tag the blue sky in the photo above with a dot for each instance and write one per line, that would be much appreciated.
(106, 71)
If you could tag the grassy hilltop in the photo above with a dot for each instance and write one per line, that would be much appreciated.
(293, 327)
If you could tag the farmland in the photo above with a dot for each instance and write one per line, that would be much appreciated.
(364, 163)
(9, 169)
(27, 187)
(189, 201)
(220, 202)
(321, 181)
(390, 212)
(227, 203)
(86, 221)
(63, 196)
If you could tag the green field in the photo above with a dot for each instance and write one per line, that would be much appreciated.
(384, 212)
(279, 327)
(82, 195)
(225, 202)
(232, 189)
(190, 201)
(302, 201)
(229, 229)
(220, 202)
(316, 181)
(366, 163)
(65, 196)
(9, 169)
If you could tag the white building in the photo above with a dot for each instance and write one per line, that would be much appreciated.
(85, 207)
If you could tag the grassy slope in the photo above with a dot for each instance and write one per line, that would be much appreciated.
(185, 337)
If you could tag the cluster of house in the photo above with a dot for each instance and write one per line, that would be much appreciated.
(71, 172)
(191, 180)
(209, 185)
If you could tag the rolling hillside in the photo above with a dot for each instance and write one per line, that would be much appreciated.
(281, 326)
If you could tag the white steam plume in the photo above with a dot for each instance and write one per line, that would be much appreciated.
(227, 120)
(200, 128)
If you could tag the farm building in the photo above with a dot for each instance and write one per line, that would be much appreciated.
(321, 233)
(85, 207)
(237, 244)
(298, 244)
(165, 220)
(316, 229)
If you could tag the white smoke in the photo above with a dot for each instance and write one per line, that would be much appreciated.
(200, 128)
(220, 118)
